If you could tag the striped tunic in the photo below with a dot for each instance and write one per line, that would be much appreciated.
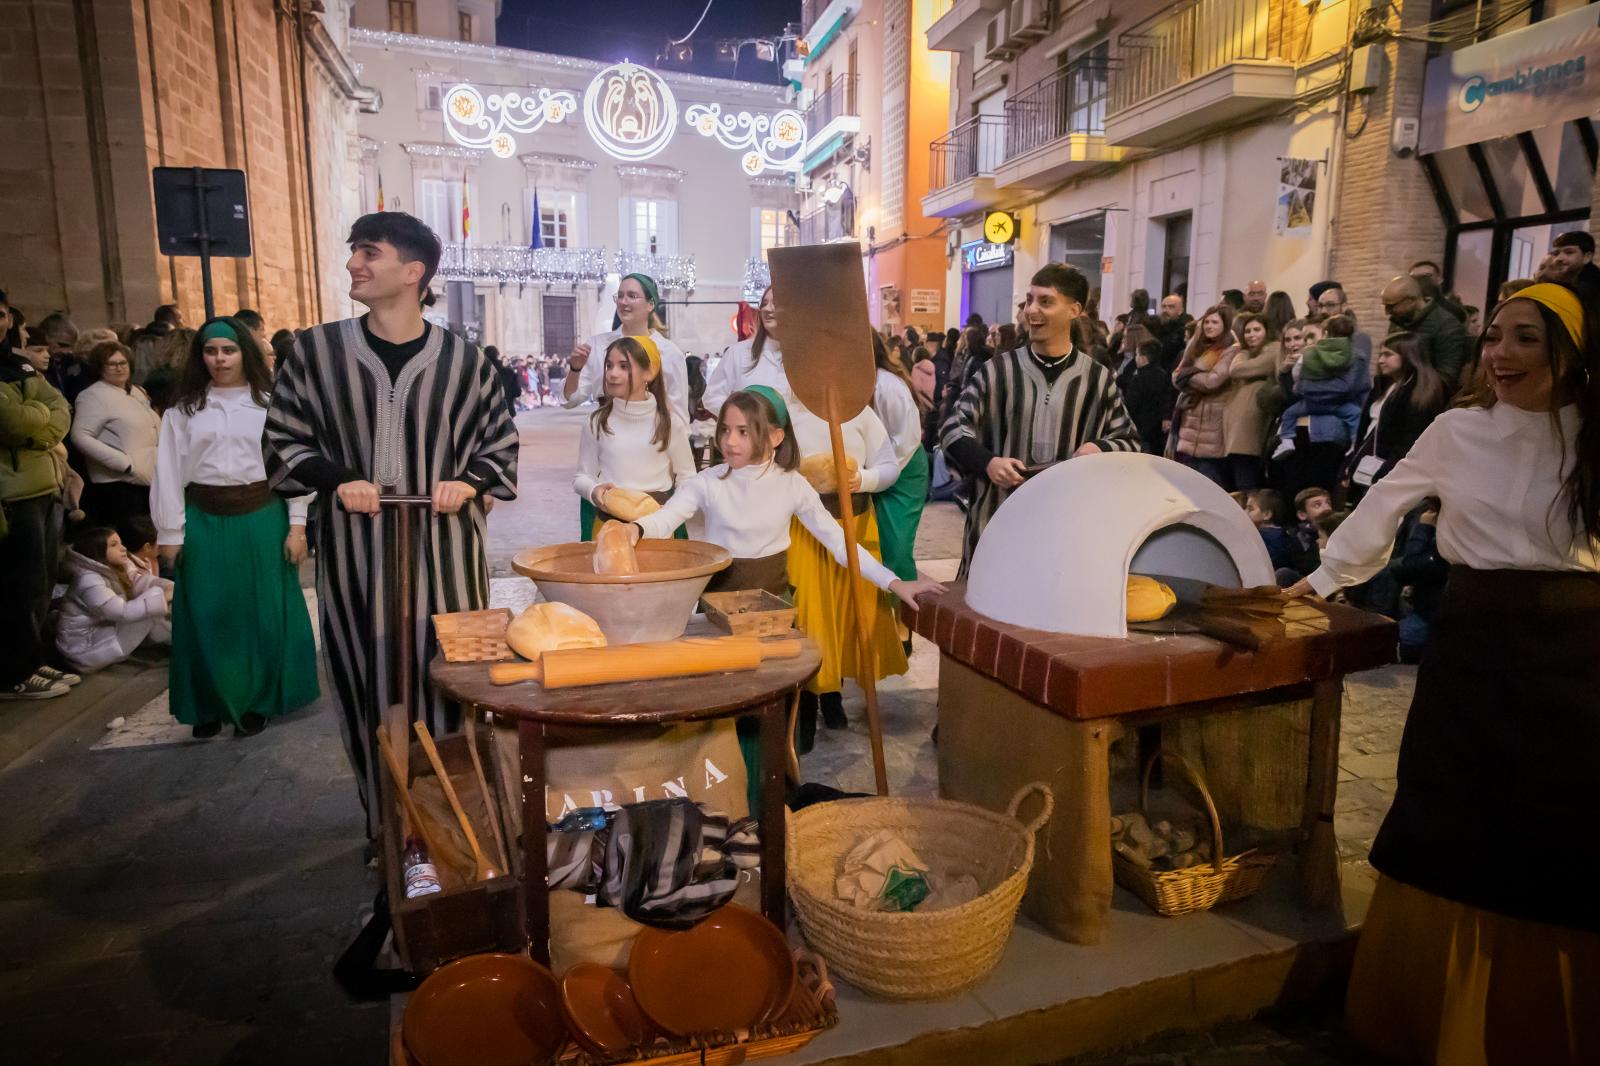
(1009, 408)
(443, 417)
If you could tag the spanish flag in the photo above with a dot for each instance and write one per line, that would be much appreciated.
(466, 211)
(380, 190)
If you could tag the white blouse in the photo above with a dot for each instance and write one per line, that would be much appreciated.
(674, 371)
(220, 444)
(865, 440)
(627, 456)
(1498, 474)
(897, 409)
(747, 511)
(734, 372)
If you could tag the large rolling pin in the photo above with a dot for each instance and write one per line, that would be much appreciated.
(572, 667)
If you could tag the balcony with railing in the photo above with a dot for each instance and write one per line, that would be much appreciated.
(961, 167)
(834, 114)
(1056, 126)
(1203, 63)
(831, 222)
(959, 24)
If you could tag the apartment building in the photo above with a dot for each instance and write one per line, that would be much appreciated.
(874, 97)
(1192, 147)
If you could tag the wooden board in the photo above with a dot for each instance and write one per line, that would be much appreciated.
(820, 294)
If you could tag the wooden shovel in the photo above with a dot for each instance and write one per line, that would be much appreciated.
(413, 816)
(827, 351)
(484, 871)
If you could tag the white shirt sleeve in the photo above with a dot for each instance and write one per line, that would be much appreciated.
(89, 417)
(675, 374)
(590, 376)
(882, 466)
(897, 409)
(166, 488)
(830, 534)
(679, 452)
(298, 506)
(588, 475)
(684, 505)
(1362, 544)
(724, 380)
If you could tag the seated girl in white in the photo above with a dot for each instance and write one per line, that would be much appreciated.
(113, 604)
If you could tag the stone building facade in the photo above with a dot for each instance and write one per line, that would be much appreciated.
(99, 92)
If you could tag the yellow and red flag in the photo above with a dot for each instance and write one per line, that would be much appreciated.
(466, 211)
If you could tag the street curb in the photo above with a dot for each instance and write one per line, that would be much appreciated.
(28, 728)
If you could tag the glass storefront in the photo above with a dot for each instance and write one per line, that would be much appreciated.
(1504, 200)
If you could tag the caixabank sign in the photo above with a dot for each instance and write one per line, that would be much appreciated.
(1536, 76)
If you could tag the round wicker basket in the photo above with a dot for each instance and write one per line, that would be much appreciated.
(910, 955)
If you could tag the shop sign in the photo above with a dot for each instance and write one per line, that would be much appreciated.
(924, 301)
(981, 255)
(1522, 80)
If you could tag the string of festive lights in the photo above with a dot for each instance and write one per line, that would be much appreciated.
(774, 142)
(510, 263)
(757, 276)
(476, 121)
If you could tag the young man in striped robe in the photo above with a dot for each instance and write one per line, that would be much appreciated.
(390, 400)
(1042, 403)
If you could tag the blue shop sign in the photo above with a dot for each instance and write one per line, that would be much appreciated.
(981, 255)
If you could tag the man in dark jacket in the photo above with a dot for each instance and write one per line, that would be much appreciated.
(1444, 339)
(1148, 393)
(1571, 263)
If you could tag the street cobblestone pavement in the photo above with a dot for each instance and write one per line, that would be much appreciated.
(182, 903)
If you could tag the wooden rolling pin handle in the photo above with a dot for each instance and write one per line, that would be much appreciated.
(511, 673)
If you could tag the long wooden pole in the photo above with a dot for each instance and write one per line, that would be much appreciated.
(858, 595)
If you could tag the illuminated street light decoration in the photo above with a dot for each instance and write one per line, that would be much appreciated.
(476, 121)
(769, 142)
(630, 111)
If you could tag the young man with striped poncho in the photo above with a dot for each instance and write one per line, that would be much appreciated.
(1042, 403)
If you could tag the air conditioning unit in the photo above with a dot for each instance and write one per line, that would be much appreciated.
(1029, 21)
(996, 44)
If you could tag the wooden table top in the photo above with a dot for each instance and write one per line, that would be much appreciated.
(673, 699)
(1097, 677)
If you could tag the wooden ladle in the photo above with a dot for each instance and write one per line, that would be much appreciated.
(484, 871)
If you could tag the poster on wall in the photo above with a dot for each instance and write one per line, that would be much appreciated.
(925, 301)
(1297, 196)
(889, 305)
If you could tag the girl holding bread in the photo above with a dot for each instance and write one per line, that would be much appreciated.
(772, 520)
(635, 450)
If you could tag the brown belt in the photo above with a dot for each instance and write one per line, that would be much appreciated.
(228, 501)
(606, 516)
(770, 572)
(860, 502)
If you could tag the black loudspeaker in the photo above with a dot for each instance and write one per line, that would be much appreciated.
(202, 211)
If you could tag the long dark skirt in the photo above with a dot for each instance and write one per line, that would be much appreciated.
(1495, 792)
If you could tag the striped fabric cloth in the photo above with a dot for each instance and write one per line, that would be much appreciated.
(664, 863)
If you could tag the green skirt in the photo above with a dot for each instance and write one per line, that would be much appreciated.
(241, 637)
(589, 522)
(899, 509)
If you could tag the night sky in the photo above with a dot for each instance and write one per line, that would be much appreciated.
(637, 31)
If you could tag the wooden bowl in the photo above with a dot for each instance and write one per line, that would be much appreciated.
(732, 971)
(485, 1010)
(654, 604)
(602, 1014)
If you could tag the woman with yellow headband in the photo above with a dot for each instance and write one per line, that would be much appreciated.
(242, 651)
(1482, 944)
(635, 449)
(636, 299)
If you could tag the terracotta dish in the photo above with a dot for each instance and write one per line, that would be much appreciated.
(602, 1014)
(732, 971)
(485, 1010)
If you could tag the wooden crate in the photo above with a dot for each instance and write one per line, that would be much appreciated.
(750, 613)
(463, 919)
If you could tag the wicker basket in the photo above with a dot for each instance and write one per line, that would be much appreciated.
(906, 955)
(1171, 893)
(473, 636)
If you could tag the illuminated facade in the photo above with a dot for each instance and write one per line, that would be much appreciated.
(617, 167)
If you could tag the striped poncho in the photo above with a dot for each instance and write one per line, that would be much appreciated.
(443, 417)
(1011, 408)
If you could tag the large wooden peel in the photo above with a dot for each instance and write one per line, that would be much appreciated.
(821, 294)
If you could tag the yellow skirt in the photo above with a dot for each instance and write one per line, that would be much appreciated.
(1439, 982)
(822, 604)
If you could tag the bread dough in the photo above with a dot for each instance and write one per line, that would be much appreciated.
(1148, 599)
(818, 469)
(630, 505)
(550, 627)
(613, 550)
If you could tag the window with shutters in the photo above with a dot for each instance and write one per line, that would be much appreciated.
(647, 226)
(464, 25)
(403, 16)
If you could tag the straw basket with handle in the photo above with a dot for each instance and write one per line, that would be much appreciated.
(910, 954)
(1172, 893)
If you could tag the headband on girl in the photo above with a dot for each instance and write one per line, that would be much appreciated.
(647, 283)
(770, 394)
(217, 328)
(652, 352)
(1562, 301)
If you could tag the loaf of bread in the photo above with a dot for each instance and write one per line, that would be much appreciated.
(552, 627)
(818, 469)
(1148, 599)
(613, 550)
(630, 505)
